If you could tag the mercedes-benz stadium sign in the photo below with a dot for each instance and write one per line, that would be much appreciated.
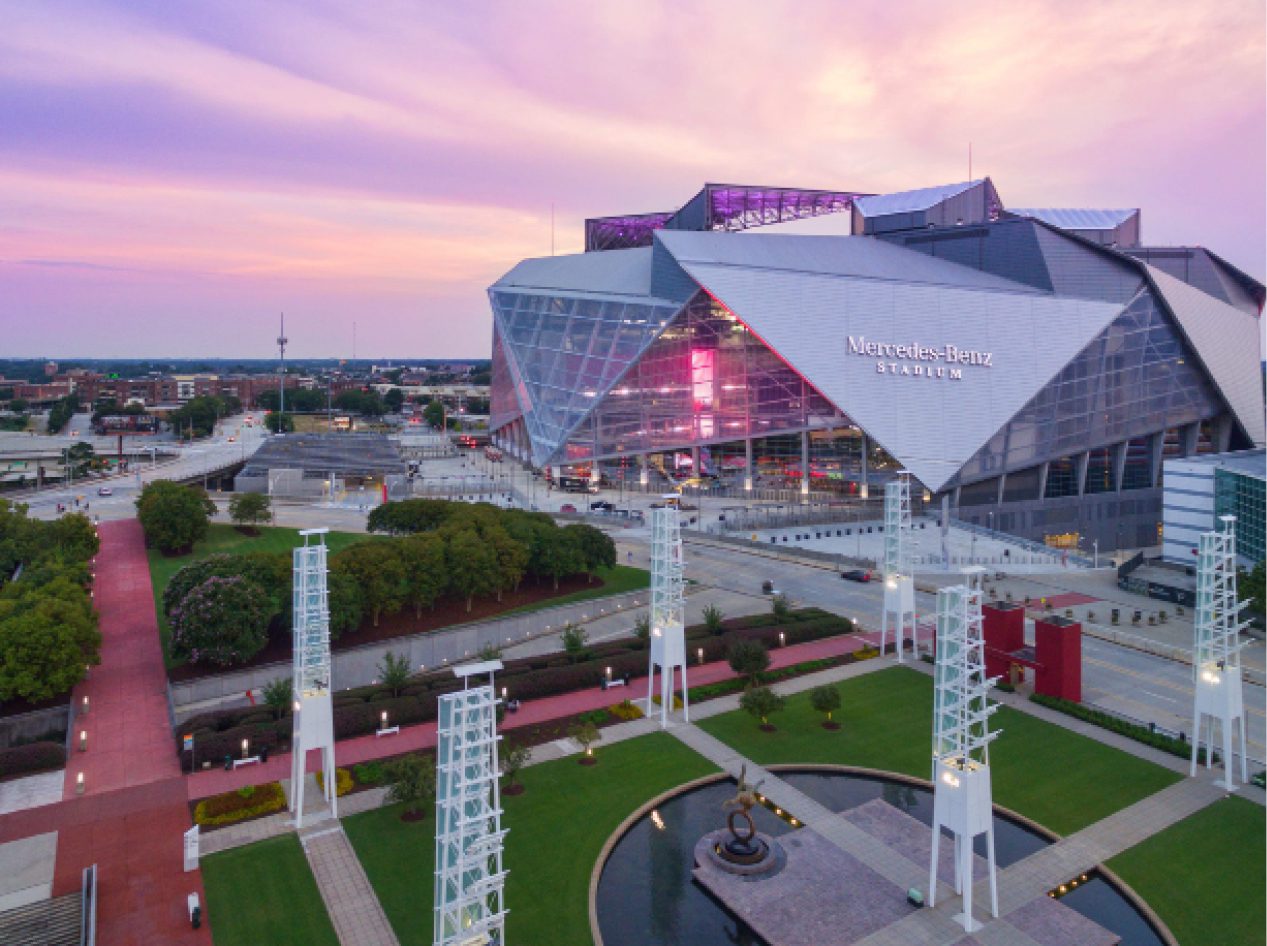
(920, 361)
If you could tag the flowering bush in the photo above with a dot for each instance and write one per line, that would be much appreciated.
(222, 621)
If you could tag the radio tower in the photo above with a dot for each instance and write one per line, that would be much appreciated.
(1216, 656)
(961, 740)
(899, 583)
(281, 379)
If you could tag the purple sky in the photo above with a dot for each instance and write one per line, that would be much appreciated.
(173, 175)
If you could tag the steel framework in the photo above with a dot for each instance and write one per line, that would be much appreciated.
(1216, 653)
(899, 583)
(668, 638)
(314, 716)
(470, 907)
(962, 799)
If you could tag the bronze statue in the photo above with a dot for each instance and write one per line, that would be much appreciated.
(745, 795)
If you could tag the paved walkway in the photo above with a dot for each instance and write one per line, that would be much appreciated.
(354, 909)
(134, 808)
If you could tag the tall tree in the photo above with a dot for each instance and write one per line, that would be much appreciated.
(425, 569)
(471, 565)
(379, 570)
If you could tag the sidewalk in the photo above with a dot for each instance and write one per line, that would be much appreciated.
(423, 736)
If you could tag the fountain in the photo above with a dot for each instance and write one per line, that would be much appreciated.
(744, 853)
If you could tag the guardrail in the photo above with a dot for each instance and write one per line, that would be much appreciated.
(1029, 545)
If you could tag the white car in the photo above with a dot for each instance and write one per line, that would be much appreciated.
(105, 490)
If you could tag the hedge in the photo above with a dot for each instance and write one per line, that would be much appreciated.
(1177, 747)
(33, 757)
(343, 782)
(358, 711)
(249, 802)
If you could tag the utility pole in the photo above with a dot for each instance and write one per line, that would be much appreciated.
(281, 377)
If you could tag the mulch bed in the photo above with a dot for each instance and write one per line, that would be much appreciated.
(769, 727)
(831, 726)
(587, 760)
(412, 816)
(446, 614)
(516, 789)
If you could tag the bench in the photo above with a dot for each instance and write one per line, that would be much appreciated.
(387, 731)
(247, 761)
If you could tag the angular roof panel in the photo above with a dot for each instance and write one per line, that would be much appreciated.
(910, 201)
(1072, 218)
(1227, 341)
(615, 272)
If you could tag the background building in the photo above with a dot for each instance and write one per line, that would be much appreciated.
(1034, 367)
(1198, 490)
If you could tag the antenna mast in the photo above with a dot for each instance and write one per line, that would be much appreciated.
(281, 376)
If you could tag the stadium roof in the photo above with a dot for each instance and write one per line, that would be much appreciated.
(909, 201)
(1076, 219)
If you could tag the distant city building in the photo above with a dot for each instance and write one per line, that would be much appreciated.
(1035, 367)
(1198, 490)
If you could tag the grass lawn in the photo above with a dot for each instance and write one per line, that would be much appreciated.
(1205, 876)
(1060, 779)
(222, 538)
(265, 893)
(617, 580)
(557, 828)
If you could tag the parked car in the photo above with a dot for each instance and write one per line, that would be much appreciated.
(856, 574)
(105, 490)
(602, 506)
(567, 507)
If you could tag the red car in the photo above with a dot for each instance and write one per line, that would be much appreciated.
(567, 507)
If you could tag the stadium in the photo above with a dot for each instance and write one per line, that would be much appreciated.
(1034, 367)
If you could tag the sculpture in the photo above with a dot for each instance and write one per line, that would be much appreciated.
(744, 848)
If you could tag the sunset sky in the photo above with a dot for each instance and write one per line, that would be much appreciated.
(173, 175)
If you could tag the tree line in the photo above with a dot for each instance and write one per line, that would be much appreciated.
(48, 628)
(221, 608)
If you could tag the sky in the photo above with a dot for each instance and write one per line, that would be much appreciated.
(175, 175)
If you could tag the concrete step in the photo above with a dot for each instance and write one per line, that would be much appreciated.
(52, 922)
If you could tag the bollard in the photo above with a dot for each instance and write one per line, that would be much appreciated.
(195, 910)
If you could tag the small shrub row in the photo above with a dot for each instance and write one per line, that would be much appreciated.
(1177, 747)
(32, 757)
(711, 691)
(251, 801)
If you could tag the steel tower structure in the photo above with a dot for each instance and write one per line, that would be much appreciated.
(282, 340)
(668, 638)
(962, 799)
(314, 714)
(1216, 652)
(899, 583)
(470, 907)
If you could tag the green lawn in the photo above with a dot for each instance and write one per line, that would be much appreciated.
(1058, 778)
(222, 538)
(557, 828)
(265, 893)
(1205, 875)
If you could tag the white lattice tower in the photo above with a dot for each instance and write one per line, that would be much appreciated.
(1216, 652)
(899, 583)
(470, 878)
(314, 714)
(962, 798)
(668, 636)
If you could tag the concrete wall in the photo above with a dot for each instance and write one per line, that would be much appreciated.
(359, 666)
(46, 723)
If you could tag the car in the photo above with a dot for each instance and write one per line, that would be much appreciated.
(105, 490)
(567, 507)
(602, 506)
(856, 574)
(233, 440)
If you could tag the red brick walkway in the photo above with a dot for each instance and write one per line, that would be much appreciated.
(130, 819)
(423, 736)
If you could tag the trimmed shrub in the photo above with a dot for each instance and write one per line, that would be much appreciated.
(230, 807)
(33, 757)
(1176, 747)
(343, 782)
(368, 773)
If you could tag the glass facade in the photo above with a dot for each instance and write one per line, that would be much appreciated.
(1245, 497)
(1135, 378)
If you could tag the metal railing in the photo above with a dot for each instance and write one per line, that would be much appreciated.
(1029, 545)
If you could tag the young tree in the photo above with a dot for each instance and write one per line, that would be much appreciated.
(761, 703)
(223, 621)
(278, 695)
(393, 672)
(781, 607)
(174, 517)
(425, 572)
(713, 618)
(748, 659)
(642, 627)
(379, 570)
(586, 734)
(826, 700)
(516, 757)
(573, 639)
(250, 509)
(1251, 586)
(412, 781)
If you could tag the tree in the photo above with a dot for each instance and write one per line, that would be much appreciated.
(560, 555)
(826, 700)
(585, 733)
(512, 558)
(471, 565)
(425, 571)
(174, 517)
(279, 423)
(393, 672)
(713, 619)
(781, 607)
(412, 780)
(366, 403)
(249, 509)
(410, 515)
(347, 608)
(61, 413)
(761, 703)
(433, 414)
(73, 537)
(393, 399)
(198, 416)
(223, 621)
(516, 757)
(573, 639)
(48, 636)
(642, 627)
(1251, 586)
(594, 547)
(278, 695)
(748, 659)
(379, 570)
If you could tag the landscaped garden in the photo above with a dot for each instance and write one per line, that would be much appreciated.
(1205, 875)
